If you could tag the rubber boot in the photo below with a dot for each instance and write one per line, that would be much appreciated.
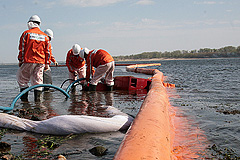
(109, 88)
(85, 87)
(37, 95)
(46, 88)
(24, 97)
(92, 87)
(73, 89)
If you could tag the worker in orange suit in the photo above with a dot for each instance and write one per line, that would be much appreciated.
(47, 75)
(49, 33)
(33, 57)
(104, 65)
(75, 64)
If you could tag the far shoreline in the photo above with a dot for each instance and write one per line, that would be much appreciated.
(153, 59)
(170, 59)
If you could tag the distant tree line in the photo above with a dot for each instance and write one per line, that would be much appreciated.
(228, 51)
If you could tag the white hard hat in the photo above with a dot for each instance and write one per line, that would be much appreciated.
(34, 18)
(76, 49)
(49, 32)
(85, 50)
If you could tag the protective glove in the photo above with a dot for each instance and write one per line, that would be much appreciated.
(56, 63)
(46, 67)
(85, 84)
(20, 64)
(75, 73)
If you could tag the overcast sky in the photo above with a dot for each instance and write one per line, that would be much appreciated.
(123, 27)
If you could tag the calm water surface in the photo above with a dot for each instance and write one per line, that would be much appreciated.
(209, 94)
(206, 93)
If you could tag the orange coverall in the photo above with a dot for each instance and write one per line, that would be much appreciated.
(34, 53)
(52, 58)
(76, 66)
(34, 47)
(104, 64)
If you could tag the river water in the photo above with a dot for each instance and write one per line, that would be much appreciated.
(206, 96)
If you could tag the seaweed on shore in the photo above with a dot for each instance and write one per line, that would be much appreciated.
(223, 153)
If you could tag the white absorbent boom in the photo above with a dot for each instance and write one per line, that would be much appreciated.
(67, 124)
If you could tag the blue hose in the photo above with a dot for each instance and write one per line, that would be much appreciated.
(28, 89)
(69, 87)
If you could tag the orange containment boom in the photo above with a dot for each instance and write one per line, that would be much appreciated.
(149, 134)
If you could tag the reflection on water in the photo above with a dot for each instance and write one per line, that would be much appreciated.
(91, 103)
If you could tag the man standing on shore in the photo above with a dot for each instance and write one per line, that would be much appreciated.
(47, 75)
(33, 57)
